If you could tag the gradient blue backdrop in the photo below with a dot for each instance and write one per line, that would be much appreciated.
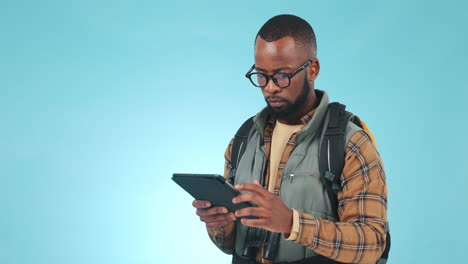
(101, 101)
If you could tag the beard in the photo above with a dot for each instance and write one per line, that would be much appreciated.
(291, 108)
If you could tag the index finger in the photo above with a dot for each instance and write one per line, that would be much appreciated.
(201, 204)
(253, 188)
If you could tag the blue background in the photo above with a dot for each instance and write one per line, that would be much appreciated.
(101, 101)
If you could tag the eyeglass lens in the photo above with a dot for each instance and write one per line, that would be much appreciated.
(259, 79)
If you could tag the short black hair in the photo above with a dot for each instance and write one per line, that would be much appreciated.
(288, 25)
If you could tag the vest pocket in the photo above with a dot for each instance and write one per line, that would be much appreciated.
(305, 192)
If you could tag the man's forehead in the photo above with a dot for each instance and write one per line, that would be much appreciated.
(283, 49)
(280, 46)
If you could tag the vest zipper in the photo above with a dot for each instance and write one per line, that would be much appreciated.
(262, 177)
(292, 175)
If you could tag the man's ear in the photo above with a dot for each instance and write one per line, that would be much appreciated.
(313, 69)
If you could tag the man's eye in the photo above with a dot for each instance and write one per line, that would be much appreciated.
(260, 77)
(282, 79)
(282, 76)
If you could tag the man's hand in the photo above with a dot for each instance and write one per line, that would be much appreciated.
(272, 213)
(213, 217)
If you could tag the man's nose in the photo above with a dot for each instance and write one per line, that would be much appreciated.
(271, 87)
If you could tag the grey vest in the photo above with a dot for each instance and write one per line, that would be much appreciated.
(301, 186)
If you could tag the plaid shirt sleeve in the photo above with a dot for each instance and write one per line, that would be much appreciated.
(223, 237)
(359, 236)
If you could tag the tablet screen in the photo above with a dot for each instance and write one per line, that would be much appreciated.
(210, 187)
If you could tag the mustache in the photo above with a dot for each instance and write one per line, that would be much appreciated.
(274, 97)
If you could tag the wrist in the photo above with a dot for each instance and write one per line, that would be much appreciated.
(289, 224)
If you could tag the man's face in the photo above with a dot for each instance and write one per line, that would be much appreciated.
(283, 56)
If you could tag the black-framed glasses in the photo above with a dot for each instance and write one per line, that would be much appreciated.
(281, 79)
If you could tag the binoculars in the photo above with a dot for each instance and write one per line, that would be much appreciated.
(260, 238)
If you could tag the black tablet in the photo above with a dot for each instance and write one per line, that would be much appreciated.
(210, 187)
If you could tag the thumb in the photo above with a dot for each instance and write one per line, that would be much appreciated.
(257, 183)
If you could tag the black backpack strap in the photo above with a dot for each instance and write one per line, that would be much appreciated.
(238, 147)
(331, 160)
(384, 257)
(332, 149)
